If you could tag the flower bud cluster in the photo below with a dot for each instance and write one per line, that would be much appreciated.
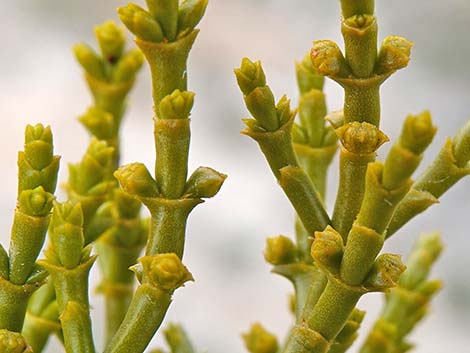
(177, 105)
(394, 54)
(66, 233)
(136, 180)
(361, 138)
(13, 342)
(280, 250)
(165, 19)
(99, 123)
(92, 175)
(418, 132)
(327, 58)
(328, 249)
(259, 99)
(113, 65)
(385, 272)
(164, 271)
(258, 340)
(37, 166)
(35, 202)
(308, 77)
(204, 183)
(461, 146)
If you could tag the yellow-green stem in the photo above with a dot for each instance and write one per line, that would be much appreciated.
(168, 225)
(350, 190)
(13, 303)
(144, 317)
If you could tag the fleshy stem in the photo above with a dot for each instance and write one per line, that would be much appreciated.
(284, 255)
(42, 318)
(20, 276)
(385, 186)
(360, 72)
(165, 34)
(360, 142)
(178, 340)
(110, 77)
(450, 166)
(370, 138)
(119, 247)
(361, 81)
(327, 251)
(314, 143)
(272, 129)
(354, 267)
(408, 303)
(103, 120)
(68, 262)
(349, 332)
(90, 182)
(159, 275)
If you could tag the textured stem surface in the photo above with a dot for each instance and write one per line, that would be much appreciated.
(144, 317)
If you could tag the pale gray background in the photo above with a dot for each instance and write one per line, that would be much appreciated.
(40, 82)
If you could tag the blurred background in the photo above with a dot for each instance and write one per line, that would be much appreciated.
(41, 82)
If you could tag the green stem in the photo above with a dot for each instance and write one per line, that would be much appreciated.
(172, 138)
(304, 339)
(118, 281)
(13, 303)
(178, 340)
(164, 198)
(278, 149)
(76, 327)
(406, 304)
(315, 162)
(42, 317)
(37, 329)
(27, 237)
(350, 190)
(349, 333)
(362, 102)
(302, 194)
(364, 242)
(360, 41)
(312, 293)
(315, 152)
(144, 317)
(276, 146)
(167, 64)
(160, 276)
(303, 241)
(168, 225)
(308, 282)
(110, 97)
(439, 177)
(117, 304)
(333, 308)
(71, 287)
(366, 237)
